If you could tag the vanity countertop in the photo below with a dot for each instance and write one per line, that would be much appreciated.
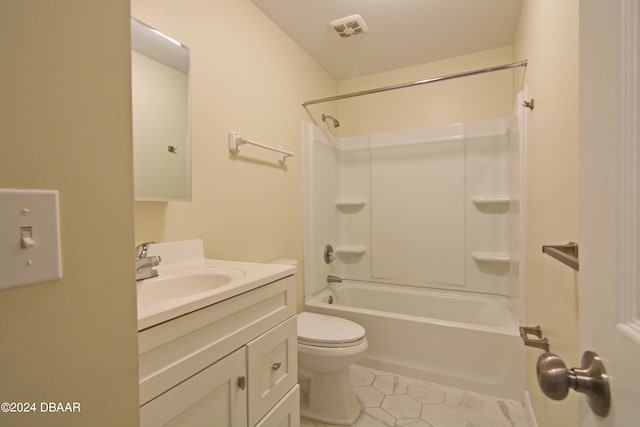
(187, 281)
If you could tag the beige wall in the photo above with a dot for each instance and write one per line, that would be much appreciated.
(547, 36)
(482, 97)
(65, 124)
(247, 76)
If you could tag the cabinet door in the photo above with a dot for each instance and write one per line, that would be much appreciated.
(216, 396)
(286, 413)
(272, 367)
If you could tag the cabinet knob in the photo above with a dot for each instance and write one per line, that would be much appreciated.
(242, 383)
(276, 366)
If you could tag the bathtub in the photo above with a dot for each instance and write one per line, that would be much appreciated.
(460, 340)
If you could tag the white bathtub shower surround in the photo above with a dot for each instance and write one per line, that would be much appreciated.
(428, 228)
(451, 338)
(436, 207)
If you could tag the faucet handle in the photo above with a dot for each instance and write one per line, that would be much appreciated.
(141, 249)
(334, 279)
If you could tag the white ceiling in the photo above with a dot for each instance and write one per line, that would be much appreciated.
(401, 32)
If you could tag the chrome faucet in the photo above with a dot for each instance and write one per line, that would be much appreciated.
(333, 279)
(144, 263)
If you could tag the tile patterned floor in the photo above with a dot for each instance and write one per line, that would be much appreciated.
(390, 400)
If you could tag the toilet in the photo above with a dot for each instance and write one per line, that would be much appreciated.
(327, 347)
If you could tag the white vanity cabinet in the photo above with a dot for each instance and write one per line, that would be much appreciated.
(233, 363)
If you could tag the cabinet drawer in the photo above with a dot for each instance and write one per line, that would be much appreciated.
(286, 413)
(175, 350)
(210, 398)
(272, 366)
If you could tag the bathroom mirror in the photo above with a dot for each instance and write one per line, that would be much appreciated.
(160, 106)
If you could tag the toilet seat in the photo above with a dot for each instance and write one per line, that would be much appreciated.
(318, 330)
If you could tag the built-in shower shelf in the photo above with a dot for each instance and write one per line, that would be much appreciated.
(496, 257)
(350, 250)
(350, 204)
(491, 200)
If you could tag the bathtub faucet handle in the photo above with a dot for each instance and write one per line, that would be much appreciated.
(329, 254)
(333, 279)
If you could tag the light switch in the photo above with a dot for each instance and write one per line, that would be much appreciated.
(26, 237)
(29, 237)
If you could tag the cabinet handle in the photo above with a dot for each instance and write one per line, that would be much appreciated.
(242, 382)
(276, 366)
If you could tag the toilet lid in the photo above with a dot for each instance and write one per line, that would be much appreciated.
(329, 330)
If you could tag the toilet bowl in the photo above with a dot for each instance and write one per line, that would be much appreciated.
(327, 347)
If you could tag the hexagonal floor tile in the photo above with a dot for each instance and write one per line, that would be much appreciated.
(369, 397)
(441, 415)
(391, 384)
(426, 393)
(361, 376)
(373, 417)
(413, 423)
(401, 406)
(466, 403)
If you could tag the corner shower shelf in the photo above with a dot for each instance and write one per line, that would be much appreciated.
(490, 200)
(350, 250)
(350, 204)
(496, 257)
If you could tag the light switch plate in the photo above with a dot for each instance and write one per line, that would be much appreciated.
(29, 237)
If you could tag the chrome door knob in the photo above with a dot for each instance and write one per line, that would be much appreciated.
(555, 380)
(553, 376)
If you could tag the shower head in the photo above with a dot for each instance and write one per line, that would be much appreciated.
(336, 123)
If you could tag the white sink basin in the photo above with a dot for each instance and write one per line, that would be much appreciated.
(161, 289)
(187, 281)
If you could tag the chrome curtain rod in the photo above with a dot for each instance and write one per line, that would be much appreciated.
(417, 82)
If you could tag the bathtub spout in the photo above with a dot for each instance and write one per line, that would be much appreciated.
(333, 279)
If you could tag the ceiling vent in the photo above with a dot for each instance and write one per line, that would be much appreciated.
(349, 26)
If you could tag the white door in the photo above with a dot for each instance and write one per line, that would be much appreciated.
(609, 196)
